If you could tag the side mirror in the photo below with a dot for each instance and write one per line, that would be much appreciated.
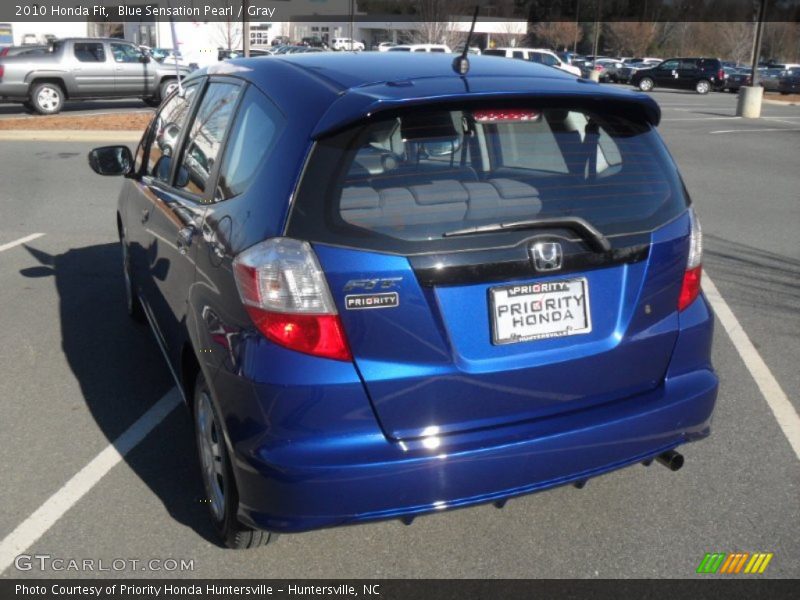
(144, 58)
(111, 160)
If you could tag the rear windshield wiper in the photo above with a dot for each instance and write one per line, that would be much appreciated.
(586, 230)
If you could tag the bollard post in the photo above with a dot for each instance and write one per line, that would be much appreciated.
(749, 104)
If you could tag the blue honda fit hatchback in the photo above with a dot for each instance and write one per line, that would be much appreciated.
(387, 288)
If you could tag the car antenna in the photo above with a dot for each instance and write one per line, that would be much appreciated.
(461, 62)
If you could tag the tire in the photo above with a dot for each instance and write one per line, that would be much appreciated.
(166, 88)
(702, 87)
(217, 475)
(47, 98)
(645, 84)
(132, 304)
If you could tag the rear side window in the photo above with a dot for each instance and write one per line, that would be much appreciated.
(255, 133)
(166, 132)
(125, 53)
(403, 183)
(89, 52)
(492, 52)
(549, 60)
(205, 136)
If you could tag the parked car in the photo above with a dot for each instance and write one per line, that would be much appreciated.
(313, 41)
(625, 74)
(587, 67)
(473, 50)
(431, 329)
(790, 83)
(537, 55)
(736, 79)
(440, 48)
(612, 68)
(384, 46)
(280, 40)
(343, 43)
(23, 50)
(769, 78)
(699, 74)
(84, 68)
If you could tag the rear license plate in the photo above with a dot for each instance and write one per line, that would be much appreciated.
(532, 311)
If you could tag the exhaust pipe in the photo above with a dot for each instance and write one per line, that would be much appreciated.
(671, 459)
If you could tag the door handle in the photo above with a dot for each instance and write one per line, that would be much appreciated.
(185, 235)
(145, 215)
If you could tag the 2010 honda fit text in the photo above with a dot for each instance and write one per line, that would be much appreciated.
(385, 288)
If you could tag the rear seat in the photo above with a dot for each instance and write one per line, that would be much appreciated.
(444, 201)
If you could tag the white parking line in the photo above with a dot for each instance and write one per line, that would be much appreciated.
(784, 411)
(44, 517)
(27, 238)
(756, 130)
(702, 119)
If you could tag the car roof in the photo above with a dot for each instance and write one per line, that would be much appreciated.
(337, 89)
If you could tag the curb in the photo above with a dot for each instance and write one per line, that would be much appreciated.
(68, 135)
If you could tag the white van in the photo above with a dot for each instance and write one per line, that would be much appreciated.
(341, 43)
(421, 48)
(537, 55)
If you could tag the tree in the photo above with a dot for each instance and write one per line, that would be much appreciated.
(228, 33)
(735, 40)
(435, 22)
(106, 29)
(559, 35)
(627, 38)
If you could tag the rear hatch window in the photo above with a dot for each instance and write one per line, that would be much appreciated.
(406, 183)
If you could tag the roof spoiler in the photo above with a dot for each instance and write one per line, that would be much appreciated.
(356, 106)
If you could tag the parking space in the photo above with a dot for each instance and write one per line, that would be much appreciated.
(76, 374)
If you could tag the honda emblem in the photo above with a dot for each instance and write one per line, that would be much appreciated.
(547, 256)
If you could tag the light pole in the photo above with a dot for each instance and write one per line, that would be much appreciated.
(245, 30)
(750, 97)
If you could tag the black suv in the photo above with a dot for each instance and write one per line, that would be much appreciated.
(699, 74)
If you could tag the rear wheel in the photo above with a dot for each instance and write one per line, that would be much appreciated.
(646, 84)
(217, 473)
(47, 98)
(702, 87)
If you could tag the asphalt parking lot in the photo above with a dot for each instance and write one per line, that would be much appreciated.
(75, 374)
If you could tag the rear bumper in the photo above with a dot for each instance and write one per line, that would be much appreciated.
(286, 489)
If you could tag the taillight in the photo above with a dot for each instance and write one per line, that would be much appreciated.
(690, 287)
(2, 70)
(285, 293)
(721, 74)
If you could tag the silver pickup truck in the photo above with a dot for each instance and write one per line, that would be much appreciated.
(84, 68)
